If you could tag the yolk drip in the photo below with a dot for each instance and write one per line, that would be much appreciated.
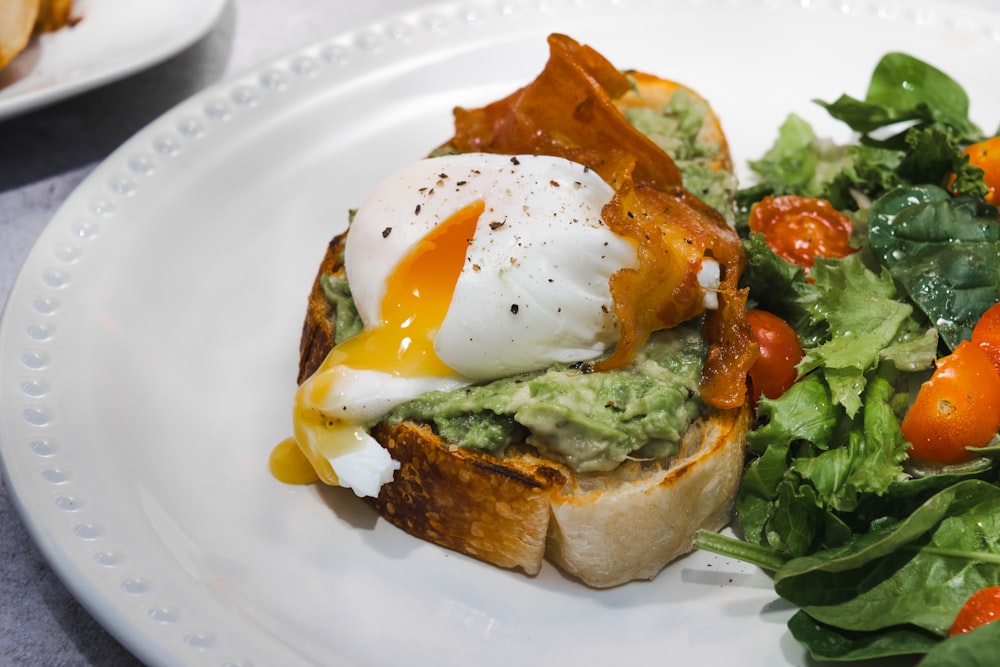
(289, 465)
(418, 295)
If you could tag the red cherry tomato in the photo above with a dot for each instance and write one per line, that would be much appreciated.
(800, 229)
(780, 352)
(958, 407)
(983, 606)
(986, 334)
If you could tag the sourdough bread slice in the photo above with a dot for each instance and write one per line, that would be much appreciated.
(516, 510)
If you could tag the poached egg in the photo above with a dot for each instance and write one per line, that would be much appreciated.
(464, 269)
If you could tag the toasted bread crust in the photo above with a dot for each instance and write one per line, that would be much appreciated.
(493, 509)
(318, 332)
(603, 528)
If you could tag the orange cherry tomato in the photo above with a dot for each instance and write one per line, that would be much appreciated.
(800, 229)
(982, 607)
(780, 352)
(958, 407)
(986, 156)
(986, 334)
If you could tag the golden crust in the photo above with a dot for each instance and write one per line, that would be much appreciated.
(493, 509)
(318, 328)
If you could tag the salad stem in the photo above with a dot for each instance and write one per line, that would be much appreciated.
(762, 557)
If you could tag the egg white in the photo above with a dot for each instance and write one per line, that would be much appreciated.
(534, 288)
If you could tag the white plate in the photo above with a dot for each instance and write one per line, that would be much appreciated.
(114, 38)
(148, 350)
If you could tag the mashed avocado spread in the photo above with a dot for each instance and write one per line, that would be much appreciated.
(590, 421)
(676, 128)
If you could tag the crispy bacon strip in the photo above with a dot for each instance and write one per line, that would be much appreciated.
(569, 111)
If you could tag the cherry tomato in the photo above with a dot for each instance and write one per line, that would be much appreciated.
(986, 334)
(986, 156)
(800, 229)
(982, 607)
(780, 352)
(958, 407)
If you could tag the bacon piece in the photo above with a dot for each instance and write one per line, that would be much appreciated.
(569, 111)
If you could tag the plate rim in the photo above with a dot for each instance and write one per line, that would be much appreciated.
(364, 40)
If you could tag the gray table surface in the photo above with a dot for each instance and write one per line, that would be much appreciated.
(44, 155)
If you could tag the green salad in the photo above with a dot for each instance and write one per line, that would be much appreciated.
(878, 545)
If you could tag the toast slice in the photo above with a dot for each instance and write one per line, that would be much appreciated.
(514, 511)
(517, 509)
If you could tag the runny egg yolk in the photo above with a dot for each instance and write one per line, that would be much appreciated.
(418, 294)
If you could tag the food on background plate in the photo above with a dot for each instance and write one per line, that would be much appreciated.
(20, 20)
(532, 343)
(53, 15)
(871, 489)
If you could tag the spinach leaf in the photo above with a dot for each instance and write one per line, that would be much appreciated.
(905, 89)
(905, 495)
(943, 250)
(979, 648)
(825, 642)
(918, 571)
